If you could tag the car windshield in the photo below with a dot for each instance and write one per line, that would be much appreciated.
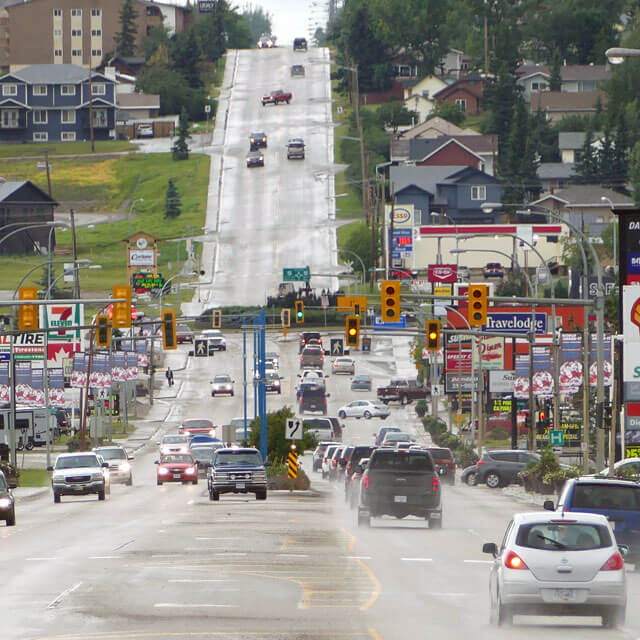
(232, 458)
(174, 439)
(397, 436)
(409, 461)
(222, 379)
(563, 536)
(441, 454)
(196, 424)
(112, 454)
(606, 496)
(176, 457)
(73, 462)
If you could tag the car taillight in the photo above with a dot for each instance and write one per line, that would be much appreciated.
(434, 484)
(348, 467)
(614, 563)
(514, 561)
(365, 481)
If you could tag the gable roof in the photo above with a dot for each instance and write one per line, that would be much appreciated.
(9, 187)
(590, 196)
(567, 101)
(568, 72)
(479, 143)
(465, 173)
(421, 149)
(439, 125)
(474, 89)
(54, 74)
(575, 139)
(556, 170)
(427, 178)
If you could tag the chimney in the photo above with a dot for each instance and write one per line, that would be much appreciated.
(110, 72)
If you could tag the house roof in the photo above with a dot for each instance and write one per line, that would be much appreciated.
(9, 187)
(138, 101)
(470, 84)
(439, 126)
(567, 101)
(479, 143)
(423, 148)
(556, 170)
(54, 74)
(574, 139)
(568, 73)
(428, 178)
(580, 196)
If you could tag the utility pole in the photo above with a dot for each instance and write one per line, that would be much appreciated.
(76, 280)
(93, 146)
(46, 161)
(355, 101)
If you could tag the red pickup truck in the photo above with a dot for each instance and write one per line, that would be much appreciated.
(276, 97)
(401, 390)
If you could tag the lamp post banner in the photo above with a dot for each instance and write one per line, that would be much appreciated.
(4, 382)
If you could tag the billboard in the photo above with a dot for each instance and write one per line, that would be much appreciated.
(631, 333)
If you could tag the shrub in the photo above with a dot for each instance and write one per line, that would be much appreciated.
(277, 478)
(498, 433)
(465, 456)
(10, 472)
(534, 474)
(435, 427)
(421, 407)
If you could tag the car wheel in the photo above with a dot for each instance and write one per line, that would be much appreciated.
(261, 495)
(213, 495)
(472, 479)
(435, 523)
(213, 395)
(129, 481)
(56, 497)
(29, 445)
(232, 394)
(614, 617)
(101, 494)
(159, 483)
(342, 414)
(11, 518)
(493, 480)
(364, 519)
(367, 415)
(195, 481)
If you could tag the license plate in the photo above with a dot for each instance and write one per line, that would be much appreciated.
(78, 488)
(400, 498)
(240, 485)
(176, 475)
(565, 595)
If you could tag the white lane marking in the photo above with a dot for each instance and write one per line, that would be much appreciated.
(164, 555)
(215, 538)
(478, 561)
(189, 580)
(293, 555)
(64, 594)
(103, 557)
(417, 559)
(448, 595)
(190, 502)
(357, 557)
(230, 553)
(179, 605)
(39, 559)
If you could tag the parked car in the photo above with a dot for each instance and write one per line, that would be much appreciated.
(80, 474)
(363, 409)
(361, 382)
(558, 564)
(144, 131)
(177, 467)
(445, 463)
(501, 467)
(184, 334)
(7, 501)
(344, 364)
(399, 484)
(222, 384)
(257, 141)
(493, 270)
(237, 470)
(119, 466)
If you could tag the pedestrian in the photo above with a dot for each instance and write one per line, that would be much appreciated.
(169, 375)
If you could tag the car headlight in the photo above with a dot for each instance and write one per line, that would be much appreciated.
(5, 503)
(125, 466)
(163, 471)
(97, 476)
(252, 140)
(190, 470)
(57, 478)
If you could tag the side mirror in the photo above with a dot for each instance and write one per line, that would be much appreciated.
(328, 395)
(157, 462)
(548, 505)
(623, 549)
(131, 457)
(105, 465)
(490, 547)
(49, 468)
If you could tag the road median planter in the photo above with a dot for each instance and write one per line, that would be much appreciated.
(277, 479)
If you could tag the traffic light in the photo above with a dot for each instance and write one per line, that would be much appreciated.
(216, 319)
(285, 317)
(356, 309)
(299, 311)
(168, 319)
(103, 331)
(122, 310)
(352, 331)
(477, 304)
(433, 335)
(390, 300)
(28, 313)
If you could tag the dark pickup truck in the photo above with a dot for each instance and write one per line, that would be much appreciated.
(237, 471)
(400, 483)
(401, 390)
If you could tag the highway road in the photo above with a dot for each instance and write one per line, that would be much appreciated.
(164, 562)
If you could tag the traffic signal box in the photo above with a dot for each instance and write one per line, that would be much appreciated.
(390, 300)
(477, 307)
(103, 331)
(216, 319)
(299, 311)
(122, 310)
(285, 317)
(433, 335)
(169, 339)
(28, 313)
(352, 331)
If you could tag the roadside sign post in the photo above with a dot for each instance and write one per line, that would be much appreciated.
(293, 430)
(296, 274)
(200, 348)
(292, 463)
(337, 347)
(556, 437)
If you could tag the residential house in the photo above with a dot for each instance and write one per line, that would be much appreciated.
(466, 93)
(23, 202)
(418, 95)
(79, 32)
(570, 144)
(560, 104)
(555, 175)
(137, 106)
(458, 192)
(47, 102)
(575, 78)
(586, 206)
(455, 64)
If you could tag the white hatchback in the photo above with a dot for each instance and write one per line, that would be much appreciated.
(558, 564)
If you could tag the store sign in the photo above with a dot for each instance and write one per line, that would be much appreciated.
(147, 282)
(516, 322)
(631, 334)
(455, 382)
(502, 381)
(440, 273)
(142, 258)
(491, 352)
(458, 360)
(501, 405)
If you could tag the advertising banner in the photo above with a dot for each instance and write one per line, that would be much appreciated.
(443, 274)
(455, 382)
(491, 352)
(570, 378)
(131, 360)
(118, 367)
(58, 352)
(631, 333)
(24, 390)
(37, 384)
(100, 376)
(458, 359)
(501, 381)
(56, 388)
(79, 371)
(593, 365)
(61, 316)
(5, 389)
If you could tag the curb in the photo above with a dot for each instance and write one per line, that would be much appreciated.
(33, 496)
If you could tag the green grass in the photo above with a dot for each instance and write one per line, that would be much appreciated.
(63, 148)
(474, 121)
(33, 478)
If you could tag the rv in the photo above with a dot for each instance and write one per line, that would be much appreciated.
(32, 426)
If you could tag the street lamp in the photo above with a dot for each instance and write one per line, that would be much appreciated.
(38, 266)
(617, 55)
(353, 253)
(133, 204)
(75, 268)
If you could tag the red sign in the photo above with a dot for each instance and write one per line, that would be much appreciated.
(633, 409)
(443, 273)
(458, 360)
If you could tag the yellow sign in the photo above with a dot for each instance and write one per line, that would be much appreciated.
(348, 304)
(292, 465)
(633, 452)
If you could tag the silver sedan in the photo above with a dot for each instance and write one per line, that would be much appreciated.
(363, 409)
(344, 365)
(558, 564)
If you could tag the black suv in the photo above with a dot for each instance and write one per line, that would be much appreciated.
(237, 471)
(300, 44)
(500, 468)
(257, 140)
(400, 483)
(312, 397)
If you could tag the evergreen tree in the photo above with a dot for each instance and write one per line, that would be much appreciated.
(125, 39)
(555, 84)
(180, 147)
(620, 156)
(172, 203)
(587, 162)
(634, 173)
(210, 31)
(184, 55)
(605, 159)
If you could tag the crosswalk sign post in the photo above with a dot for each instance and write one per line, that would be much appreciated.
(337, 347)
(200, 348)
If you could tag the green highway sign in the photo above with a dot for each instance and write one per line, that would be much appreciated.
(556, 437)
(296, 274)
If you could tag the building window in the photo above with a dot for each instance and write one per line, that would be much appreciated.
(40, 90)
(57, 33)
(40, 116)
(100, 118)
(96, 12)
(68, 89)
(479, 192)
(57, 13)
(76, 33)
(96, 32)
(539, 86)
(67, 116)
(98, 89)
(464, 66)
(77, 13)
(153, 11)
(57, 53)
(76, 53)
(9, 89)
(68, 136)
(96, 53)
(149, 27)
(10, 118)
(461, 104)
(40, 136)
